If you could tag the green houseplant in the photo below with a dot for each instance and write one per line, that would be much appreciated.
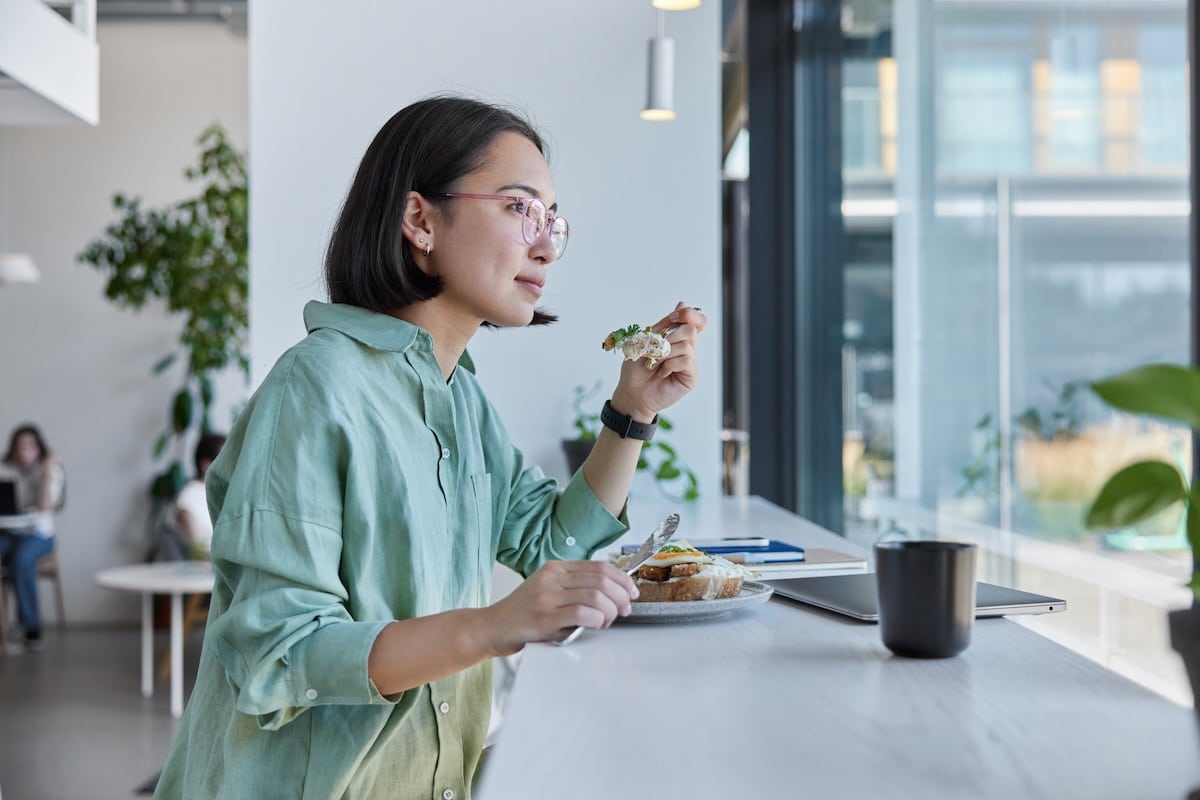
(981, 474)
(1039, 443)
(192, 254)
(1143, 489)
(1146, 488)
(673, 478)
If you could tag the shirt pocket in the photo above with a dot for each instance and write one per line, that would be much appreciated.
(481, 487)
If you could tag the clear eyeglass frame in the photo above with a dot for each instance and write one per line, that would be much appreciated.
(536, 219)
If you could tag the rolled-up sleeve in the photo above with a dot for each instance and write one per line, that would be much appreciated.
(540, 523)
(286, 640)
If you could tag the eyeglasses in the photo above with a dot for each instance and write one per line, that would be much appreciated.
(535, 219)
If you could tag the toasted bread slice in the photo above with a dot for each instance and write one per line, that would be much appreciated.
(692, 587)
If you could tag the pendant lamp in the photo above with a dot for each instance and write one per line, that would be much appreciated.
(660, 77)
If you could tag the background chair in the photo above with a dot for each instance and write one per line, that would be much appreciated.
(47, 568)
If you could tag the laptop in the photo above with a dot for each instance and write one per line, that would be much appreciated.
(8, 499)
(854, 596)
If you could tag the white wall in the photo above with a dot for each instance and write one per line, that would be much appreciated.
(642, 198)
(72, 361)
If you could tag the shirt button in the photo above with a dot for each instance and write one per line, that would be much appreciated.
(311, 694)
(448, 794)
(570, 540)
(446, 454)
(444, 708)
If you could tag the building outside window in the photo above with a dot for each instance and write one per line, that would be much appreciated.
(1015, 202)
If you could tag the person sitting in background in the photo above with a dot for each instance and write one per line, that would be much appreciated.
(40, 484)
(191, 506)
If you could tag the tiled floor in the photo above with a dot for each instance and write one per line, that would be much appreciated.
(73, 722)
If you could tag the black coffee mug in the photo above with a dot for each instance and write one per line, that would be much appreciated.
(926, 597)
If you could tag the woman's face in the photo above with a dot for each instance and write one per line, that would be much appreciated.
(26, 452)
(489, 272)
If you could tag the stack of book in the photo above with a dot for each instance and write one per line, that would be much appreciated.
(774, 559)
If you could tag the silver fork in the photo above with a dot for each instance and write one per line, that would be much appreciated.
(654, 542)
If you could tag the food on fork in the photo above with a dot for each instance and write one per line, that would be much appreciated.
(679, 571)
(638, 342)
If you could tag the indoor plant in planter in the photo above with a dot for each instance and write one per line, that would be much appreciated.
(672, 477)
(1143, 489)
(193, 255)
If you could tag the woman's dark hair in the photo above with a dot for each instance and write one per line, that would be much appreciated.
(31, 429)
(426, 147)
(208, 448)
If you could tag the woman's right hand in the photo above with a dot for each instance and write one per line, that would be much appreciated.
(562, 594)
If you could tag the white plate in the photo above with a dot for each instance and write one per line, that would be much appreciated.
(753, 594)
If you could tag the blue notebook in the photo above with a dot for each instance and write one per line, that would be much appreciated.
(773, 551)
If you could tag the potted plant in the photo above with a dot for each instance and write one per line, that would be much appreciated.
(1038, 438)
(1146, 488)
(672, 477)
(192, 254)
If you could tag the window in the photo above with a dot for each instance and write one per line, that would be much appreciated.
(1014, 223)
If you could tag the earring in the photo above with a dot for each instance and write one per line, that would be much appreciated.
(428, 248)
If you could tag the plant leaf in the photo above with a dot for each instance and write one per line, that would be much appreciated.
(181, 411)
(163, 363)
(1193, 532)
(1031, 421)
(167, 484)
(160, 487)
(1138, 491)
(667, 471)
(1169, 391)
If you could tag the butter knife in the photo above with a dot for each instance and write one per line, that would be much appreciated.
(654, 542)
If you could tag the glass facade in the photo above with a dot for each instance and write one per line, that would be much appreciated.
(1015, 203)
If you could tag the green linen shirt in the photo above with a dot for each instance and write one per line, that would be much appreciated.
(358, 487)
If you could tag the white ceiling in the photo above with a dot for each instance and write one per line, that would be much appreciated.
(49, 63)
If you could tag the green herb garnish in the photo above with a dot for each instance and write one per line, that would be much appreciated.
(619, 335)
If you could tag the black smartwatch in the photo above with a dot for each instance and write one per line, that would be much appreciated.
(626, 427)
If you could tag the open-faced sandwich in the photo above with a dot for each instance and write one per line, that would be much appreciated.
(679, 571)
(638, 342)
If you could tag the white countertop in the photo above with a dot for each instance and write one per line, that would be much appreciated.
(787, 701)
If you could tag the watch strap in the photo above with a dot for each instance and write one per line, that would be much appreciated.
(627, 427)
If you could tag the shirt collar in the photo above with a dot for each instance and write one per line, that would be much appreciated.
(375, 330)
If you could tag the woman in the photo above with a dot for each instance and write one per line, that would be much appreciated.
(40, 483)
(367, 489)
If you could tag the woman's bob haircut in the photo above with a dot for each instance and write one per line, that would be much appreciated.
(426, 147)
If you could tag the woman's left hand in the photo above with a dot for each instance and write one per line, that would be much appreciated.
(643, 392)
